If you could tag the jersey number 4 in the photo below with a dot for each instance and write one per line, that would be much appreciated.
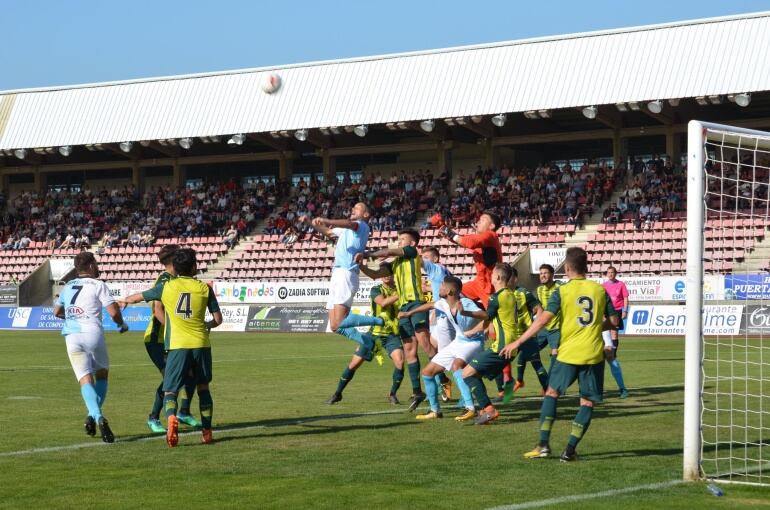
(587, 305)
(183, 307)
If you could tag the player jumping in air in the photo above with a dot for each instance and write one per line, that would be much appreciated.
(583, 306)
(352, 235)
(383, 301)
(441, 332)
(406, 269)
(486, 250)
(80, 304)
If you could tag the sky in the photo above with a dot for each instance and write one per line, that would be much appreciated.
(65, 42)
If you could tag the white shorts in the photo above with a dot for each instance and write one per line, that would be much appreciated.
(442, 331)
(342, 287)
(456, 349)
(87, 353)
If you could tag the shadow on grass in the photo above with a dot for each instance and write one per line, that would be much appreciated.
(313, 429)
(643, 452)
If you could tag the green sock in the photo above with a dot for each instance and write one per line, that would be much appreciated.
(500, 381)
(169, 404)
(185, 395)
(580, 425)
(157, 404)
(521, 364)
(542, 375)
(547, 417)
(398, 376)
(347, 375)
(207, 407)
(478, 390)
(414, 376)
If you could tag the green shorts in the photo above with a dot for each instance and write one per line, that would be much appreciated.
(549, 337)
(157, 352)
(180, 362)
(408, 326)
(590, 379)
(390, 343)
(489, 364)
(529, 350)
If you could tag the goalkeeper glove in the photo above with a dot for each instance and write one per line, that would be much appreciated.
(448, 232)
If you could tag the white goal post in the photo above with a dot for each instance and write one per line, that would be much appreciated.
(727, 375)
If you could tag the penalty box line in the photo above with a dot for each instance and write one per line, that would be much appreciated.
(224, 431)
(593, 495)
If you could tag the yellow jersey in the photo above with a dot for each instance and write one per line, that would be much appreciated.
(185, 300)
(582, 305)
(407, 272)
(544, 295)
(503, 314)
(391, 326)
(525, 307)
(154, 332)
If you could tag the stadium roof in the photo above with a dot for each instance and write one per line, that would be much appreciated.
(707, 57)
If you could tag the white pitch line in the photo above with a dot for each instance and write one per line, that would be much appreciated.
(583, 497)
(219, 433)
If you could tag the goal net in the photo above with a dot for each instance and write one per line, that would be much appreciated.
(727, 353)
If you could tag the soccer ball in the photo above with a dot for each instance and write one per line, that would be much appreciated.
(271, 82)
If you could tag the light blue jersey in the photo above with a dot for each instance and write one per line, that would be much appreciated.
(461, 323)
(436, 274)
(349, 243)
(83, 300)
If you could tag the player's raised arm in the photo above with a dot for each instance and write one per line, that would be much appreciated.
(382, 271)
(153, 294)
(425, 307)
(216, 314)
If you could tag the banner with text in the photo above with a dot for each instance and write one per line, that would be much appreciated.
(119, 290)
(42, 318)
(747, 286)
(670, 288)
(8, 294)
(540, 256)
(292, 319)
(282, 292)
(672, 320)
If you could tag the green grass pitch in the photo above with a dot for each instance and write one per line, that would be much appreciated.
(277, 446)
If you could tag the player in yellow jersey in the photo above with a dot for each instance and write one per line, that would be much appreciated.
(383, 301)
(503, 314)
(549, 335)
(186, 334)
(585, 310)
(527, 306)
(406, 268)
(153, 343)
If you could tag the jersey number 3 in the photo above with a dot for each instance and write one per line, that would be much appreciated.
(587, 305)
(183, 308)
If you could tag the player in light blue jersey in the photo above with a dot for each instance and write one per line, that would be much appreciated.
(80, 304)
(441, 332)
(463, 315)
(352, 235)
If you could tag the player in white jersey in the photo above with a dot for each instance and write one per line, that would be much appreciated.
(80, 305)
(441, 331)
(463, 315)
(352, 235)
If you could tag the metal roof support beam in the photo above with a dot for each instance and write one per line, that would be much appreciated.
(278, 144)
(166, 150)
(663, 117)
(440, 130)
(483, 130)
(383, 149)
(610, 117)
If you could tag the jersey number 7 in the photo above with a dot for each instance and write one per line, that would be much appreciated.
(183, 308)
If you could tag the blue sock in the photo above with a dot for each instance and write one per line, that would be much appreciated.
(617, 373)
(465, 391)
(353, 334)
(431, 389)
(101, 390)
(437, 378)
(92, 400)
(354, 320)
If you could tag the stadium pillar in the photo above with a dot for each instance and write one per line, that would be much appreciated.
(444, 157)
(285, 166)
(491, 154)
(137, 177)
(619, 147)
(40, 181)
(329, 165)
(5, 184)
(180, 174)
(673, 144)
